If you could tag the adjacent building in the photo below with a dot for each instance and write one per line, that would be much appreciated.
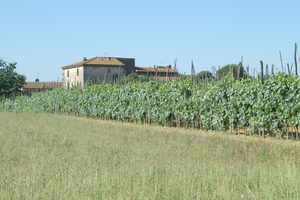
(159, 72)
(32, 87)
(97, 70)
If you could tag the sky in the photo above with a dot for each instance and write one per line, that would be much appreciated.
(41, 36)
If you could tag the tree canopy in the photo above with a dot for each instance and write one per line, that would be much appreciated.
(235, 71)
(11, 82)
(203, 75)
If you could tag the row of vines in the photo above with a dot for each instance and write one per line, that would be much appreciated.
(246, 106)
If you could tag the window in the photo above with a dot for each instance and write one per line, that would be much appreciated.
(68, 74)
(77, 72)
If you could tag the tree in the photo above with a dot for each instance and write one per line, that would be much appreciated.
(235, 71)
(133, 77)
(205, 75)
(11, 82)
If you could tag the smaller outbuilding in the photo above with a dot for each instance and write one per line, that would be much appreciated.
(165, 73)
(32, 87)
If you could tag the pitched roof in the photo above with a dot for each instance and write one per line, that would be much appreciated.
(96, 61)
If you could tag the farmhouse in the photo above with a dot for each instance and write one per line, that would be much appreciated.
(159, 72)
(97, 70)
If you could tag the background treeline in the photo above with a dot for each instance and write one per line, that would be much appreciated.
(249, 106)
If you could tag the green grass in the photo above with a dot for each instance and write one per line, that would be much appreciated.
(46, 156)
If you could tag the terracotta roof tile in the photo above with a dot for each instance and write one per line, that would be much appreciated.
(97, 61)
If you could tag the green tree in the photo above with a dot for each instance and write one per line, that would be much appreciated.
(235, 71)
(205, 75)
(11, 82)
(133, 77)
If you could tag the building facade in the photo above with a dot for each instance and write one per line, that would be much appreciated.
(97, 70)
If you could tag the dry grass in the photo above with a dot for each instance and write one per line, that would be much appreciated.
(59, 157)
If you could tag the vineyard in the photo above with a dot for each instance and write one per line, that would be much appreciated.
(271, 108)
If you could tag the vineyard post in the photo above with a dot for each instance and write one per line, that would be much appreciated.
(262, 71)
(248, 70)
(261, 132)
(254, 73)
(267, 70)
(242, 60)
(296, 61)
(241, 67)
(282, 66)
(288, 68)
(193, 72)
(238, 72)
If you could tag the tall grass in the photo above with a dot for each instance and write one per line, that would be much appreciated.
(58, 157)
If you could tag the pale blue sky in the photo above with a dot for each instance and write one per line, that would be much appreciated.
(44, 35)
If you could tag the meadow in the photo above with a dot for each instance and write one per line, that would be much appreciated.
(50, 156)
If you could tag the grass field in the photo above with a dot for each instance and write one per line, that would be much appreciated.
(60, 157)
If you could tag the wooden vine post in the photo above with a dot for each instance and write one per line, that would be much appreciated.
(296, 61)
(262, 71)
(281, 61)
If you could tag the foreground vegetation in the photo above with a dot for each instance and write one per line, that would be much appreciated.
(248, 106)
(57, 157)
